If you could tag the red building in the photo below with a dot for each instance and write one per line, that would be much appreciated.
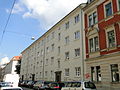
(102, 33)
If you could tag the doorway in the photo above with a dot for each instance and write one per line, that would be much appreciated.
(58, 76)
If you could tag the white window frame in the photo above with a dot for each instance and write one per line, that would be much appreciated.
(118, 5)
(77, 54)
(67, 54)
(105, 8)
(77, 35)
(67, 72)
(93, 49)
(77, 18)
(77, 71)
(108, 30)
(91, 13)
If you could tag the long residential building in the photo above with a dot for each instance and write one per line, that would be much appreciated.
(58, 55)
(102, 32)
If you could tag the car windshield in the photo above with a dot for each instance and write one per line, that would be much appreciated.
(90, 85)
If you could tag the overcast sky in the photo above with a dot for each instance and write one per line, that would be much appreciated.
(29, 18)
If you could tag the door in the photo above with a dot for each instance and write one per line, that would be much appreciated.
(58, 76)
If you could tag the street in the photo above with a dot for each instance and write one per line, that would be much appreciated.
(26, 88)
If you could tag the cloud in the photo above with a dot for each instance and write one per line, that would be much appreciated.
(17, 9)
(4, 61)
(48, 12)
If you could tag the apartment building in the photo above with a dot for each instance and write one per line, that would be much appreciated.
(58, 55)
(102, 32)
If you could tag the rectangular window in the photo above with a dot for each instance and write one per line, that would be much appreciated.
(119, 4)
(59, 50)
(114, 73)
(67, 72)
(77, 35)
(51, 74)
(98, 72)
(46, 73)
(67, 25)
(67, 40)
(42, 52)
(94, 44)
(58, 63)
(111, 38)
(52, 47)
(91, 44)
(108, 9)
(47, 49)
(67, 55)
(92, 18)
(77, 52)
(92, 73)
(46, 62)
(78, 71)
(59, 36)
(52, 60)
(77, 19)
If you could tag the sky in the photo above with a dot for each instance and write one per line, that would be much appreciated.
(29, 18)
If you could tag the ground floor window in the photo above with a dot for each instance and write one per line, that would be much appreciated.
(92, 73)
(114, 73)
(98, 72)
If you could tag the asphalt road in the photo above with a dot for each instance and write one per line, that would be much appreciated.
(26, 88)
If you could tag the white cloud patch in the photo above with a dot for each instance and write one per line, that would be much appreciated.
(17, 9)
(48, 12)
(4, 60)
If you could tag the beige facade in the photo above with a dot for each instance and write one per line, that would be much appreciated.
(58, 55)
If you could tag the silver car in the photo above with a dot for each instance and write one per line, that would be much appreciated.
(79, 85)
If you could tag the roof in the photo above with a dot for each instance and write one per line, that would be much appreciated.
(16, 58)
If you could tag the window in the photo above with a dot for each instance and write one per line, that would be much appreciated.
(114, 73)
(67, 55)
(77, 19)
(47, 49)
(41, 52)
(59, 36)
(108, 9)
(78, 71)
(77, 52)
(93, 44)
(40, 74)
(92, 73)
(119, 4)
(52, 60)
(59, 50)
(67, 25)
(77, 35)
(52, 47)
(46, 62)
(58, 63)
(46, 73)
(67, 72)
(51, 74)
(98, 72)
(92, 18)
(111, 38)
(67, 40)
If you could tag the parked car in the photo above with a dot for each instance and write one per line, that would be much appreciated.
(11, 88)
(5, 84)
(24, 83)
(56, 86)
(41, 85)
(79, 85)
(30, 84)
